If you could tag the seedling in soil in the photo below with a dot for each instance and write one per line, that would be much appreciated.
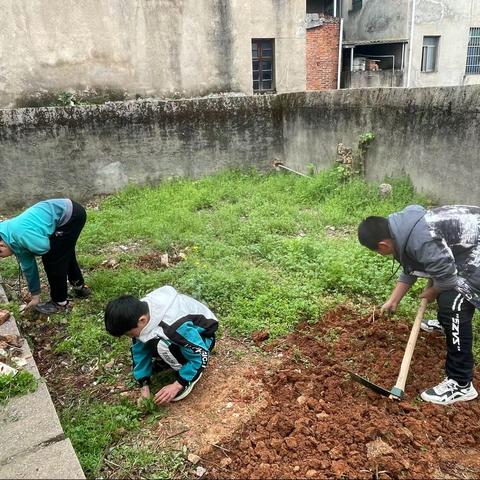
(299, 357)
(332, 335)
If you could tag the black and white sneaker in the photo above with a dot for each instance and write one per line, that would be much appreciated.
(432, 325)
(449, 391)
(186, 390)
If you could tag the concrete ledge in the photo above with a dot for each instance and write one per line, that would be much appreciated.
(32, 442)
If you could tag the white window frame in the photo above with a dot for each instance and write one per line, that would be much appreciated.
(430, 53)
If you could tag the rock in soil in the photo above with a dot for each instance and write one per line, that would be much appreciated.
(4, 316)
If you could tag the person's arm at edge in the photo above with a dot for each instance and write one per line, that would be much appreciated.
(400, 290)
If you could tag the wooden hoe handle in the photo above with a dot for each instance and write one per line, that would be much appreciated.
(399, 387)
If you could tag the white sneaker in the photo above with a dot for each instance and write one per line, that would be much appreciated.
(448, 392)
(432, 325)
(186, 390)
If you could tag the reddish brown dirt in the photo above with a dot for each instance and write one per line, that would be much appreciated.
(159, 260)
(317, 423)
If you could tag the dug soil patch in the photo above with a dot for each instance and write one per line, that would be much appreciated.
(314, 422)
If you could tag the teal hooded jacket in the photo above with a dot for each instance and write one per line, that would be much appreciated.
(28, 235)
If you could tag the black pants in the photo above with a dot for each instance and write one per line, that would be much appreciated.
(60, 261)
(455, 314)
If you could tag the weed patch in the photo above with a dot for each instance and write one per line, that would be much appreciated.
(13, 385)
(95, 427)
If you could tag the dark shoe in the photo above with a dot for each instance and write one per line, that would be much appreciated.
(81, 292)
(51, 308)
(449, 391)
(186, 390)
(432, 325)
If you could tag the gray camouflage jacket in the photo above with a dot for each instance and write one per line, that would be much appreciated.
(442, 244)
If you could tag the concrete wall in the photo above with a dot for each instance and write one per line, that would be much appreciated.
(373, 79)
(429, 134)
(83, 151)
(145, 47)
(377, 20)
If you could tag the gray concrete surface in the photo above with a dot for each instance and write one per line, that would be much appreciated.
(32, 442)
(55, 460)
(145, 47)
(429, 134)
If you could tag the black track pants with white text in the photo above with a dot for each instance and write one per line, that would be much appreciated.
(455, 315)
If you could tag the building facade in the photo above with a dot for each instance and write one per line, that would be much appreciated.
(410, 43)
(150, 48)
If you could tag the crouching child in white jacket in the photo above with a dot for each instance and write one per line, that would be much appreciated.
(168, 330)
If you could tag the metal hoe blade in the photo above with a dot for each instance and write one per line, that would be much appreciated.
(372, 386)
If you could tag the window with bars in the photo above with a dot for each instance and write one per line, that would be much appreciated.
(263, 65)
(429, 54)
(473, 52)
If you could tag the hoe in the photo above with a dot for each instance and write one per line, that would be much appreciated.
(398, 390)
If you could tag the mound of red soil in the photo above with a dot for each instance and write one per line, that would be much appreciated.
(320, 424)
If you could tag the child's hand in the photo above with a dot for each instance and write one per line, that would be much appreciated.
(389, 307)
(167, 393)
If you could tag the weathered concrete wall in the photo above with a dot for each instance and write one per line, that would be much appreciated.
(145, 47)
(429, 134)
(373, 79)
(83, 151)
(376, 20)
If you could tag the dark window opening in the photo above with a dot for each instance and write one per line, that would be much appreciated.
(324, 7)
(263, 65)
(429, 54)
(356, 5)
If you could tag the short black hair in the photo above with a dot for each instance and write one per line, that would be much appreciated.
(122, 314)
(373, 230)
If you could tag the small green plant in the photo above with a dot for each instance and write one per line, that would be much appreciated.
(332, 335)
(364, 142)
(299, 357)
(67, 99)
(20, 384)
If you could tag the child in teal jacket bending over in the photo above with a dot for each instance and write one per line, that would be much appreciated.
(49, 229)
(169, 330)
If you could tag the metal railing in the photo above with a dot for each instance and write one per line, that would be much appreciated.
(473, 52)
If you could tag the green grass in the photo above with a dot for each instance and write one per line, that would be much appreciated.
(20, 384)
(146, 462)
(260, 251)
(93, 427)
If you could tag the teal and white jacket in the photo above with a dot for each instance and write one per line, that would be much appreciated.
(181, 332)
(28, 234)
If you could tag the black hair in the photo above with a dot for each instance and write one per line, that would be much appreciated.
(122, 314)
(373, 230)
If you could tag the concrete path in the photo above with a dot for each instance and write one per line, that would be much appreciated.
(32, 442)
